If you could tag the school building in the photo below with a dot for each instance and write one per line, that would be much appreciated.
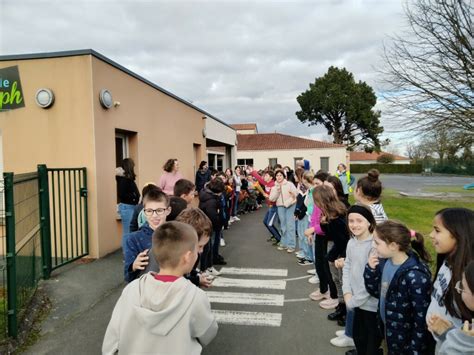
(81, 109)
(268, 149)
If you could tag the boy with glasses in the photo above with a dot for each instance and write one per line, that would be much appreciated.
(156, 208)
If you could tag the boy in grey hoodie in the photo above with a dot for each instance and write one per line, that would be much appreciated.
(163, 313)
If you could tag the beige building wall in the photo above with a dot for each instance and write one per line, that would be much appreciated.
(159, 126)
(77, 132)
(286, 157)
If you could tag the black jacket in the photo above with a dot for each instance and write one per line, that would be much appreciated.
(127, 191)
(210, 204)
(201, 178)
(336, 230)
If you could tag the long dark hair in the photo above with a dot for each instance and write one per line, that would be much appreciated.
(128, 167)
(325, 198)
(337, 184)
(460, 224)
(396, 232)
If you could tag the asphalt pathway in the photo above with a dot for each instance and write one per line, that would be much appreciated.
(284, 321)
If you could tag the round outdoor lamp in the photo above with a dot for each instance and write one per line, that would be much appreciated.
(105, 98)
(44, 98)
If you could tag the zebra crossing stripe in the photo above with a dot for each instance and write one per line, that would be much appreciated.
(253, 271)
(248, 318)
(260, 299)
(245, 283)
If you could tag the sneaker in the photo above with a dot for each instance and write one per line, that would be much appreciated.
(342, 341)
(236, 218)
(313, 280)
(290, 250)
(209, 277)
(329, 303)
(222, 242)
(276, 242)
(281, 247)
(311, 272)
(299, 254)
(318, 296)
(340, 333)
(304, 262)
(212, 271)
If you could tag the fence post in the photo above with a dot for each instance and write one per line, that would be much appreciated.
(11, 255)
(43, 187)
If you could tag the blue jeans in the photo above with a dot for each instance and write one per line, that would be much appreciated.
(236, 203)
(287, 225)
(306, 249)
(349, 322)
(126, 213)
(272, 216)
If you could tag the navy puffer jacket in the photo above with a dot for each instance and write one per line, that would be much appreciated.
(406, 303)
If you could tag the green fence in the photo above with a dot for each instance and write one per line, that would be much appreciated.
(44, 226)
(23, 244)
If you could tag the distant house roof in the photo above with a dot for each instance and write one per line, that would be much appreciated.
(274, 141)
(356, 156)
(244, 126)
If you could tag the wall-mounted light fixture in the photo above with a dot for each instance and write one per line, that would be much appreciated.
(105, 98)
(44, 98)
(204, 132)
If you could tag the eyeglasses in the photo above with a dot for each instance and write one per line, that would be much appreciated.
(459, 288)
(159, 211)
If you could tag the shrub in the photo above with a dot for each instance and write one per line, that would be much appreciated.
(385, 158)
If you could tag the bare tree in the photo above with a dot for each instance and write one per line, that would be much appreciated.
(430, 68)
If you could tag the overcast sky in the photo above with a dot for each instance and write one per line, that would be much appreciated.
(242, 61)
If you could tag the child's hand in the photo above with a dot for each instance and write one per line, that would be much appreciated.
(347, 298)
(309, 232)
(339, 263)
(141, 261)
(438, 325)
(204, 281)
(265, 195)
(468, 328)
(373, 260)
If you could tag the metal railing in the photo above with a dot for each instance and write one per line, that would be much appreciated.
(44, 226)
(23, 243)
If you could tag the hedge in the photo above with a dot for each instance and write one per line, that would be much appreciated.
(387, 168)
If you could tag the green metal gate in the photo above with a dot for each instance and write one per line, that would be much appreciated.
(64, 205)
(45, 227)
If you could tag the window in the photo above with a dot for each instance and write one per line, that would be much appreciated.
(272, 162)
(121, 148)
(325, 163)
(295, 160)
(244, 162)
(220, 162)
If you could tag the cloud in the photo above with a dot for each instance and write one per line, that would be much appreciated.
(241, 61)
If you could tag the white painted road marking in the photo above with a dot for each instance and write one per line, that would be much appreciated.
(244, 283)
(253, 271)
(260, 299)
(248, 318)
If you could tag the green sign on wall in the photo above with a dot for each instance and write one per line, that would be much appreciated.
(11, 95)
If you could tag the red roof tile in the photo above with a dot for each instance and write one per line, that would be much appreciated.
(244, 126)
(355, 156)
(273, 141)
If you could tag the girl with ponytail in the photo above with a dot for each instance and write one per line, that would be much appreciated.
(398, 276)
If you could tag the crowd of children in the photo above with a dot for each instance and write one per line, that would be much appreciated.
(371, 272)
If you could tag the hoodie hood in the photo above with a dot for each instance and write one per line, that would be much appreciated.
(162, 304)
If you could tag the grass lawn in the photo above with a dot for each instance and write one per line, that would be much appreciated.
(455, 189)
(418, 213)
